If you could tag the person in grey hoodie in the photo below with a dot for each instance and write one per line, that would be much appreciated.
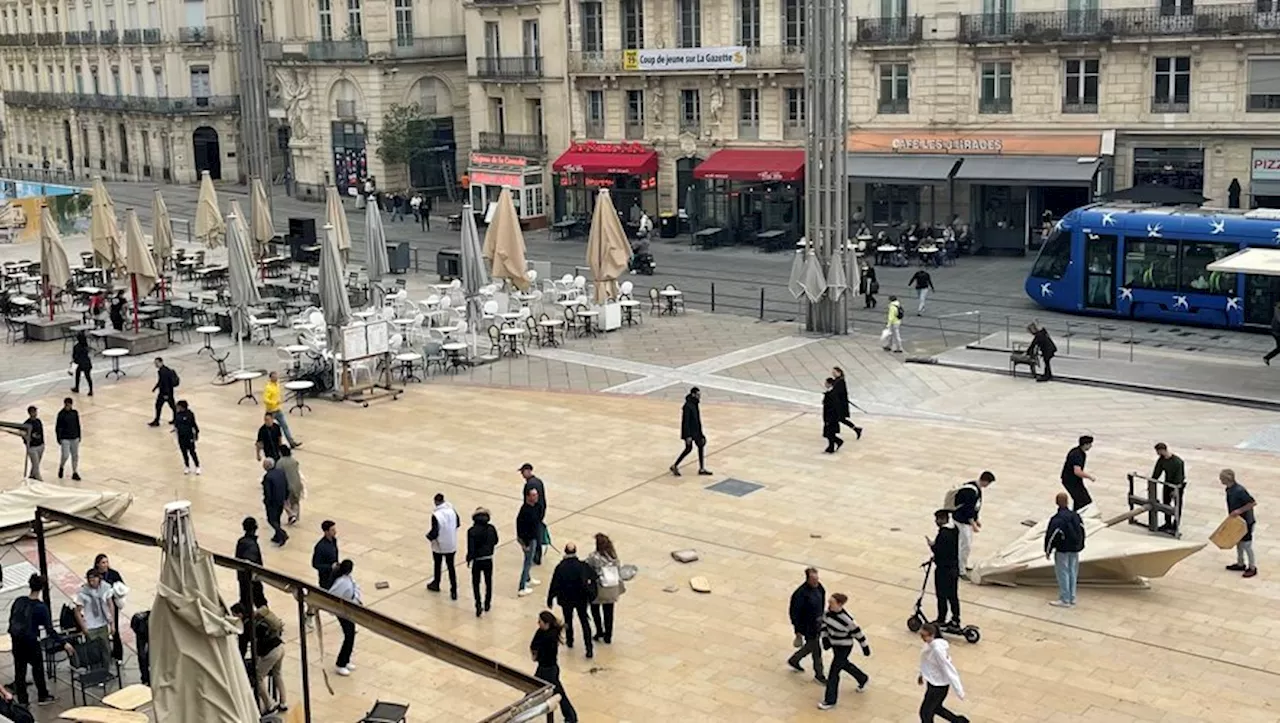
(482, 540)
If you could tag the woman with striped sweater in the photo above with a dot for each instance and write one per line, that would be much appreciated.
(839, 631)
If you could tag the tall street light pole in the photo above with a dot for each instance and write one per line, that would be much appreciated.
(253, 92)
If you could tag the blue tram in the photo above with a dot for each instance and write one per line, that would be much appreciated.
(1145, 262)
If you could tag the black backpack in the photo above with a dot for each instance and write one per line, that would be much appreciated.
(20, 615)
(176, 380)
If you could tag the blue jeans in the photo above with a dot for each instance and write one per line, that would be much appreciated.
(528, 563)
(282, 419)
(1066, 565)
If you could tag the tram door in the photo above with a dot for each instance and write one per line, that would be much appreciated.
(1260, 296)
(1100, 271)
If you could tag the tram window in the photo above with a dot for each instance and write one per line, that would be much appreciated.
(1054, 256)
(1151, 265)
(1196, 257)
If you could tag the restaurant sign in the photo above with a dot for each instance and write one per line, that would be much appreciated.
(495, 160)
(1266, 165)
(948, 145)
(659, 59)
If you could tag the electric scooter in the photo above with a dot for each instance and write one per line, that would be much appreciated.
(970, 633)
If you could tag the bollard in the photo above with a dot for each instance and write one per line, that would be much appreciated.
(713, 296)
(762, 303)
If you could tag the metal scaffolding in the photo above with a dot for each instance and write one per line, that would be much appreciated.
(253, 93)
(826, 174)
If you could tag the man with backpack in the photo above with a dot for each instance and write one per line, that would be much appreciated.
(1064, 538)
(892, 338)
(924, 284)
(166, 382)
(965, 503)
(27, 616)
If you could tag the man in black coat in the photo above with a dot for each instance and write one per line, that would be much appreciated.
(574, 584)
(531, 482)
(808, 603)
(166, 382)
(275, 493)
(831, 418)
(247, 549)
(691, 432)
(946, 569)
(1041, 342)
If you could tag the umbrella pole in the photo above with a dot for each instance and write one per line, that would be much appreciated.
(306, 676)
(48, 293)
(133, 282)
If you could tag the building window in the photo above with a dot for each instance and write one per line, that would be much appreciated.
(796, 113)
(748, 112)
(890, 204)
(162, 90)
(793, 23)
(532, 39)
(1080, 86)
(492, 40)
(1264, 84)
(115, 81)
(895, 88)
(326, 20)
(690, 110)
(997, 16)
(355, 24)
(404, 22)
(1177, 167)
(497, 116)
(749, 23)
(997, 88)
(200, 87)
(635, 114)
(689, 18)
(595, 113)
(139, 83)
(1173, 85)
(632, 24)
(77, 77)
(592, 27)
(1177, 8)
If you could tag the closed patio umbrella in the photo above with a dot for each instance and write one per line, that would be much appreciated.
(333, 292)
(54, 266)
(138, 262)
(376, 263)
(336, 215)
(161, 234)
(242, 288)
(260, 223)
(504, 243)
(104, 229)
(474, 273)
(608, 250)
(812, 280)
(797, 271)
(837, 279)
(211, 229)
(197, 673)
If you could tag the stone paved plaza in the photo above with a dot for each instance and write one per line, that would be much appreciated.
(1195, 647)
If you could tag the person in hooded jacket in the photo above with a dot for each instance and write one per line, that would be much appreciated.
(444, 543)
(83, 362)
(482, 540)
(842, 394)
(1042, 342)
(247, 549)
(691, 432)
(831, 417)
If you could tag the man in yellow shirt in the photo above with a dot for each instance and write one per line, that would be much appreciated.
(272, 398)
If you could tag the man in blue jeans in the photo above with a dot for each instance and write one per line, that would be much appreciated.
(528, 531)
(1064, 537)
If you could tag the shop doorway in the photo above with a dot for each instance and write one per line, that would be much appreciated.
(206, 153)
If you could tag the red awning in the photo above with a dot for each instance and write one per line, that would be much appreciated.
(637, 161)
(753, 164)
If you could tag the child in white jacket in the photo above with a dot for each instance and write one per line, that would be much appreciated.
(938, 675)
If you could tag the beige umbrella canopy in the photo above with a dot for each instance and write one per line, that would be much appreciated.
(138, 262)
(336, 215)
(504, 243)
(608, 250)
(53, 257)
(238, 218)
(260, 219)
(104, 230)
(161, 230)
(211, 229)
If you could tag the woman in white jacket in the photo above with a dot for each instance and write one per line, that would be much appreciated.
(938, 676)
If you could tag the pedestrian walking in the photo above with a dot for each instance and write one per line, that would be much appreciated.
(1171, 468)
(1240, 504)
(575, 585)
(938, 675)
(1275, 334)
(297, 488)
(831, 417)
(482, 540)
(397, 207)
(923, 284)
(415, 205)
(66, 428)
(545, 649)
(272, 401)
(532, 482)
(691, 432)
(33, 436)
(247, 549)
(27, 616)
(266, 629)
(166, 382)
(528, 530)
(945, 547)
(82, 360)
(345, 587)
(1074, 475)
(807, 607)
(426, 212)
(269, 440)
(868, 286)
(188, 432)
(891, 337)
(841, 386)
(609, 586)
(275, 493)
(839, 631)
(966, 506)
(1043, 343)
(116, 313)
(1064, 539)
(444, 544)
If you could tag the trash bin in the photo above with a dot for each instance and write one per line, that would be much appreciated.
(398, 257)
(668, 225)
(449, 264)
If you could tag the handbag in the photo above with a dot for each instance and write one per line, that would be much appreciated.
(884, 337)
(628, 572)
(610, 576)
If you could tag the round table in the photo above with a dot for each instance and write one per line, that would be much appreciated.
(114, 355)
(208, 332)
(457, 353)
(589, 321)
(365, 314)
(407, 359)
(670, 296)
(549, 327)
(629, 307)
(299, 387)
(246, 376)
(512, 334)
(266, 322)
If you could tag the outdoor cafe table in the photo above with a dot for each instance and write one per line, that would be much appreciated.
(549, 327)
(670, 296)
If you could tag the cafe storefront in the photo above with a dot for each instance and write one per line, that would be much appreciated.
(750, 196)
(1264, 178)
(489, 173)
(628, 170)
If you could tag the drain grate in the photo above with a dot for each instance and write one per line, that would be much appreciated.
(735, 487)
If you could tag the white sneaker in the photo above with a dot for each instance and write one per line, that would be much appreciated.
(533, 582)
(186, 470)
(351, 666)
(343, 671)
(1059, 604)
(199, 471)
(826, 706)
(525, 591)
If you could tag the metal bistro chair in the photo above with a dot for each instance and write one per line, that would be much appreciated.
(92, 669)
(495, 340)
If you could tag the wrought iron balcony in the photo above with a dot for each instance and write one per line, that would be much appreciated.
(323, 50)
(894, 106)
(1078, 106)
(995, 105)
(1119, 23)
(151, 36)
(1174, 104)
(196, 35)
(127, 103)
(520, 68)
(890, 31)
(49, 40)
(132, 36)
(79, 37)
(108, 37)
(516, 144)
(503, 3)
(440, 46)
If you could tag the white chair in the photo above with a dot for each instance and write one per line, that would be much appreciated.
(317, 319)
(580, 283)
(286, 360)
(532, 276)
(489, 311)
(395, 342)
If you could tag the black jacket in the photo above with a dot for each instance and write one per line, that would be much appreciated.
(573, 583)
(275, 488)
(482, 537)
(80, 355)
(184, 423)
(691, 419)
(67, 425)
(166, 381)
(946, 550)
(323, 559)
(1065, 532)
(807, 605)
(968, 503)
(247, 549)
(841, 387)
(1044, 343)
(831, 407)
(533, 483)
(528, 524)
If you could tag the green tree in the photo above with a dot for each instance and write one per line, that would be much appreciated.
(407, 134)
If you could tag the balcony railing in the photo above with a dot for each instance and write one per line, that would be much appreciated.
(504, 2)
(995, 105)
(108, 37)
(151, 36)
(140, 104)
(890, 31)
(79, 37)
(1180, 104)
(132, 36)
(441, 46)
(894, 106)
(337, 50)
(49, 39)
(1263, 103)
(517, 68)
(1078, 106)
(1137, 22)
(518, 144)
(196, 35)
